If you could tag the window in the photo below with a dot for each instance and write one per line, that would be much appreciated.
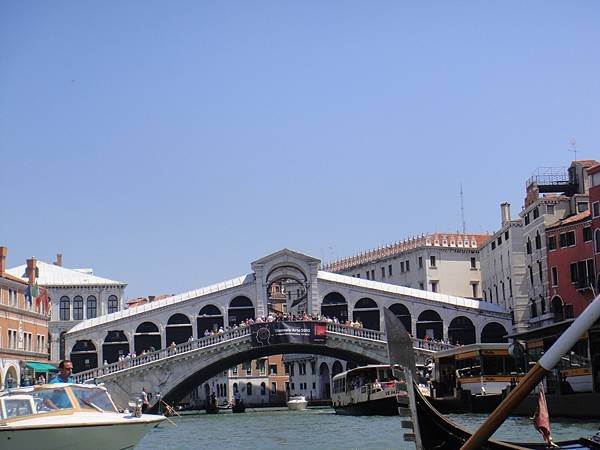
(503, 291)
(247, 366)
(499, 241)
(497, 296)
(533, 308)
(408, 266)
(263, 388)
(597, 239)
(550, 209)
(493, 245)
(528, 246)
(65, 308)
(574, 276)
(248, 389)
(582, 206)
(473, 263)
(536, 213)
(78, 308)
(313, 367)
(368, 275)
(113, 304)
(421, 286)
(596, 209)
(390, 270)
(530, 274)
(382, 273)
(358, 275)
(506, 235)
(527, 219)
(272, 369)
(432, 261)
(287, 368)
(474, 287)
(587, 234)
(420, 262)
(552, 243)
(372, 274)
(538, 241)
(554, 276)
(260, 365)
(434, 286)
(273, 388)
(302, 368)
(567, 239)
(540, 271)
(91, 307)
(402, 267)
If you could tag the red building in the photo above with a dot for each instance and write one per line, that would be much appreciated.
(594, 173)
(571, 268)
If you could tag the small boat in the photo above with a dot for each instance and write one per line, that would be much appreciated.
(368, 390)
(238, 407)
(68, 416)
(297, 403)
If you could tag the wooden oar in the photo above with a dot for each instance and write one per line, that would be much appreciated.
(546, 363)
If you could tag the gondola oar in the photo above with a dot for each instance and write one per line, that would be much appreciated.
(546, 363)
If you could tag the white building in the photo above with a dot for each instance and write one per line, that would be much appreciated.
(438, 262)
(75, 295)
(503, 274)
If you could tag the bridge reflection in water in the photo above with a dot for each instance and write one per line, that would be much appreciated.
(175, 370)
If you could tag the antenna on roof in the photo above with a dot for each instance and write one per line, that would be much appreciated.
(462, 211)
(573, 147)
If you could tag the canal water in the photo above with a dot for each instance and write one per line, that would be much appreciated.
(322, 429)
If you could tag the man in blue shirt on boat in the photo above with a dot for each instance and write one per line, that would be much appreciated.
(65, 370)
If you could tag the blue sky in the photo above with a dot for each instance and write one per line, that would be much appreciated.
(169, 144)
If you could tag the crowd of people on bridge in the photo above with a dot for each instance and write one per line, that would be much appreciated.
(282, 317)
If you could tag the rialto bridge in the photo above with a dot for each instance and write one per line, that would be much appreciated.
(283, 281)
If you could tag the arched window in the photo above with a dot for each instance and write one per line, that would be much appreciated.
(538, 241)
(78, 307)
(334, 305)
(113, 304)
(92, 305)
(493, 332)
(533, 308)
(263, 388)
(248, 389)
(597, 240)
(65, 308)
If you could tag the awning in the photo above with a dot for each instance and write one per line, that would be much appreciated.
(41, 367)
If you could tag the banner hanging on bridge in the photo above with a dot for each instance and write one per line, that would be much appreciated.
(288, 333)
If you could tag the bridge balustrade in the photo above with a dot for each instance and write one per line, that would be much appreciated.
(240, 332)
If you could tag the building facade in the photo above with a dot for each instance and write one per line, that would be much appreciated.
(75, 295)
(23, 330)
(438, 262)
(503, 275)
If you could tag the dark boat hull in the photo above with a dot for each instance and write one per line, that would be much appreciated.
(439, 433)
(387, 406)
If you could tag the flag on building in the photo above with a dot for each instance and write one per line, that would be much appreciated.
(28, 295)
(42, 298)
(541, 418)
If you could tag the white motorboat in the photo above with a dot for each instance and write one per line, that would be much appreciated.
(297, 403)
(68, 416)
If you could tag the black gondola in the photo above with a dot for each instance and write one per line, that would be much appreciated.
(437, 432)
(238, 407)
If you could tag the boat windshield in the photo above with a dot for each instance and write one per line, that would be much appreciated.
(51, 399)
(93, 398)
(16, 407)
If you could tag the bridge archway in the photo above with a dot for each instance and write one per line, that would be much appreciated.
(430, 324)
(493, 332)
(209, 318)
(146, 337)
(115, 345)
(178, 329)
(402, 313)
(366, 311)
(240, 309)
(84, 356)
(335, 305)
(221, 363)
(461, 331)
(324, 381)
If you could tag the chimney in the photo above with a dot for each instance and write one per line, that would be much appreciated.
(58, 261)
(3, 253)
(505, 212)
(31, 269)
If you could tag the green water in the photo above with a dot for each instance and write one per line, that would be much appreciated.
(321, 429)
